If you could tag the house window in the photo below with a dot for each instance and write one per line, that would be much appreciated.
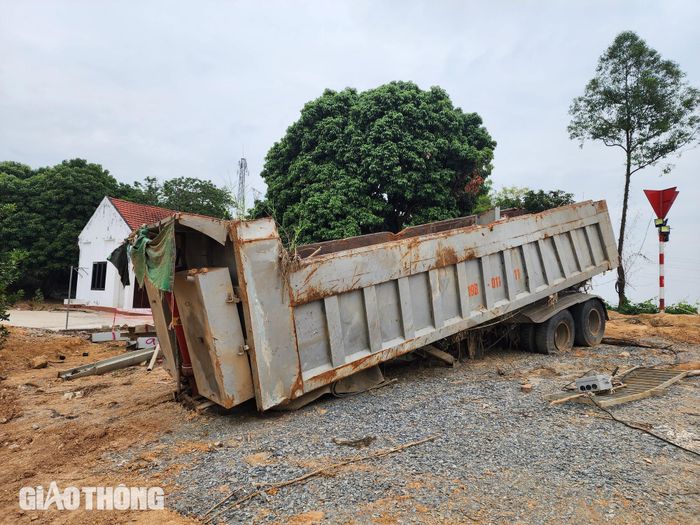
(99, 275)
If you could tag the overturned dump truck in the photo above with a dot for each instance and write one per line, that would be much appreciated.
(239, 317)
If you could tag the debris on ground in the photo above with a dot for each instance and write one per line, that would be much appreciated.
(140, 336)
(38, 362)
(73, 395)
(78, 442)
(110, 364)
(441, 355)
(635, 384)
(355, 443)
(619, 341)
(595, 382)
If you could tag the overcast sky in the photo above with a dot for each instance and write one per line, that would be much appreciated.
(172, 89)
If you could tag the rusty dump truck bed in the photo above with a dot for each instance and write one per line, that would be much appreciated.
(262, 323)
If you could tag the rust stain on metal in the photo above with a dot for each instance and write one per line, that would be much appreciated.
(310, 294)
(469, 254)
(297, 388)
(310, 275)
(446, 256)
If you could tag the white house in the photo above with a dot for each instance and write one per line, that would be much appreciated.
(98, 280)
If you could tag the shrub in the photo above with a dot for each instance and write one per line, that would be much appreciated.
(650, 307)
(8, 274)
(682, 308)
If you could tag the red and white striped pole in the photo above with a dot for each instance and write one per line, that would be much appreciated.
(662, 304)
(661, 201)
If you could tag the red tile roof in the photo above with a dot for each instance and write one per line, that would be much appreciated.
(136, 215)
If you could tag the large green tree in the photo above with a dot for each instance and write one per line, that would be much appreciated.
(192, 195)
(640, 103)
(382, 159)
(50, 207)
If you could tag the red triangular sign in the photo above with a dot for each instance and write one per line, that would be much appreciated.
(661, 200)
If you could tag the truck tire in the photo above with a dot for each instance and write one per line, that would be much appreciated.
(556, 334)
(589, 322)
(527, 337)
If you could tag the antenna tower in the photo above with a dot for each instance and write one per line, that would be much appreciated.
(242, 174)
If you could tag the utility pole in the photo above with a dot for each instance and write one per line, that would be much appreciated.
(77, 270)
(242, 174)
(661, 201)
(70, 285)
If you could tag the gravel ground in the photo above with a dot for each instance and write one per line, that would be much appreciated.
(500, 456)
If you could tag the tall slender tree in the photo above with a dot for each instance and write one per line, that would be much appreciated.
(640, 103)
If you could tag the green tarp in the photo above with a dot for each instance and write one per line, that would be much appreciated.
(154, 258)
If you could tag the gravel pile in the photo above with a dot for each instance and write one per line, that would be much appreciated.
(500, 456)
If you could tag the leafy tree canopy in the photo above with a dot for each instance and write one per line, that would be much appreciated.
(637, 102)
(530, 200)
(382, 159)
(193, 195)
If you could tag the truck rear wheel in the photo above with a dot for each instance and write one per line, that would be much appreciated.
(556, 334)
(589, 323)
(527, 337)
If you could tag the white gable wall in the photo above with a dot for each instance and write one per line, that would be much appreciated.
(105, 230)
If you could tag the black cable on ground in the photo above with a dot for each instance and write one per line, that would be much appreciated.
(635, 427)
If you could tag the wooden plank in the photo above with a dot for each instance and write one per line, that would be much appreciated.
(439, 354)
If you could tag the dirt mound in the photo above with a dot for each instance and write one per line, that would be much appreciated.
(52, 429)
(26, 343)
(678, 328)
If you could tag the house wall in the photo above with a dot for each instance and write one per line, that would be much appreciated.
(105, 230)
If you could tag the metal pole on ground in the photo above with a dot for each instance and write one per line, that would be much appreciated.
(70, 287)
